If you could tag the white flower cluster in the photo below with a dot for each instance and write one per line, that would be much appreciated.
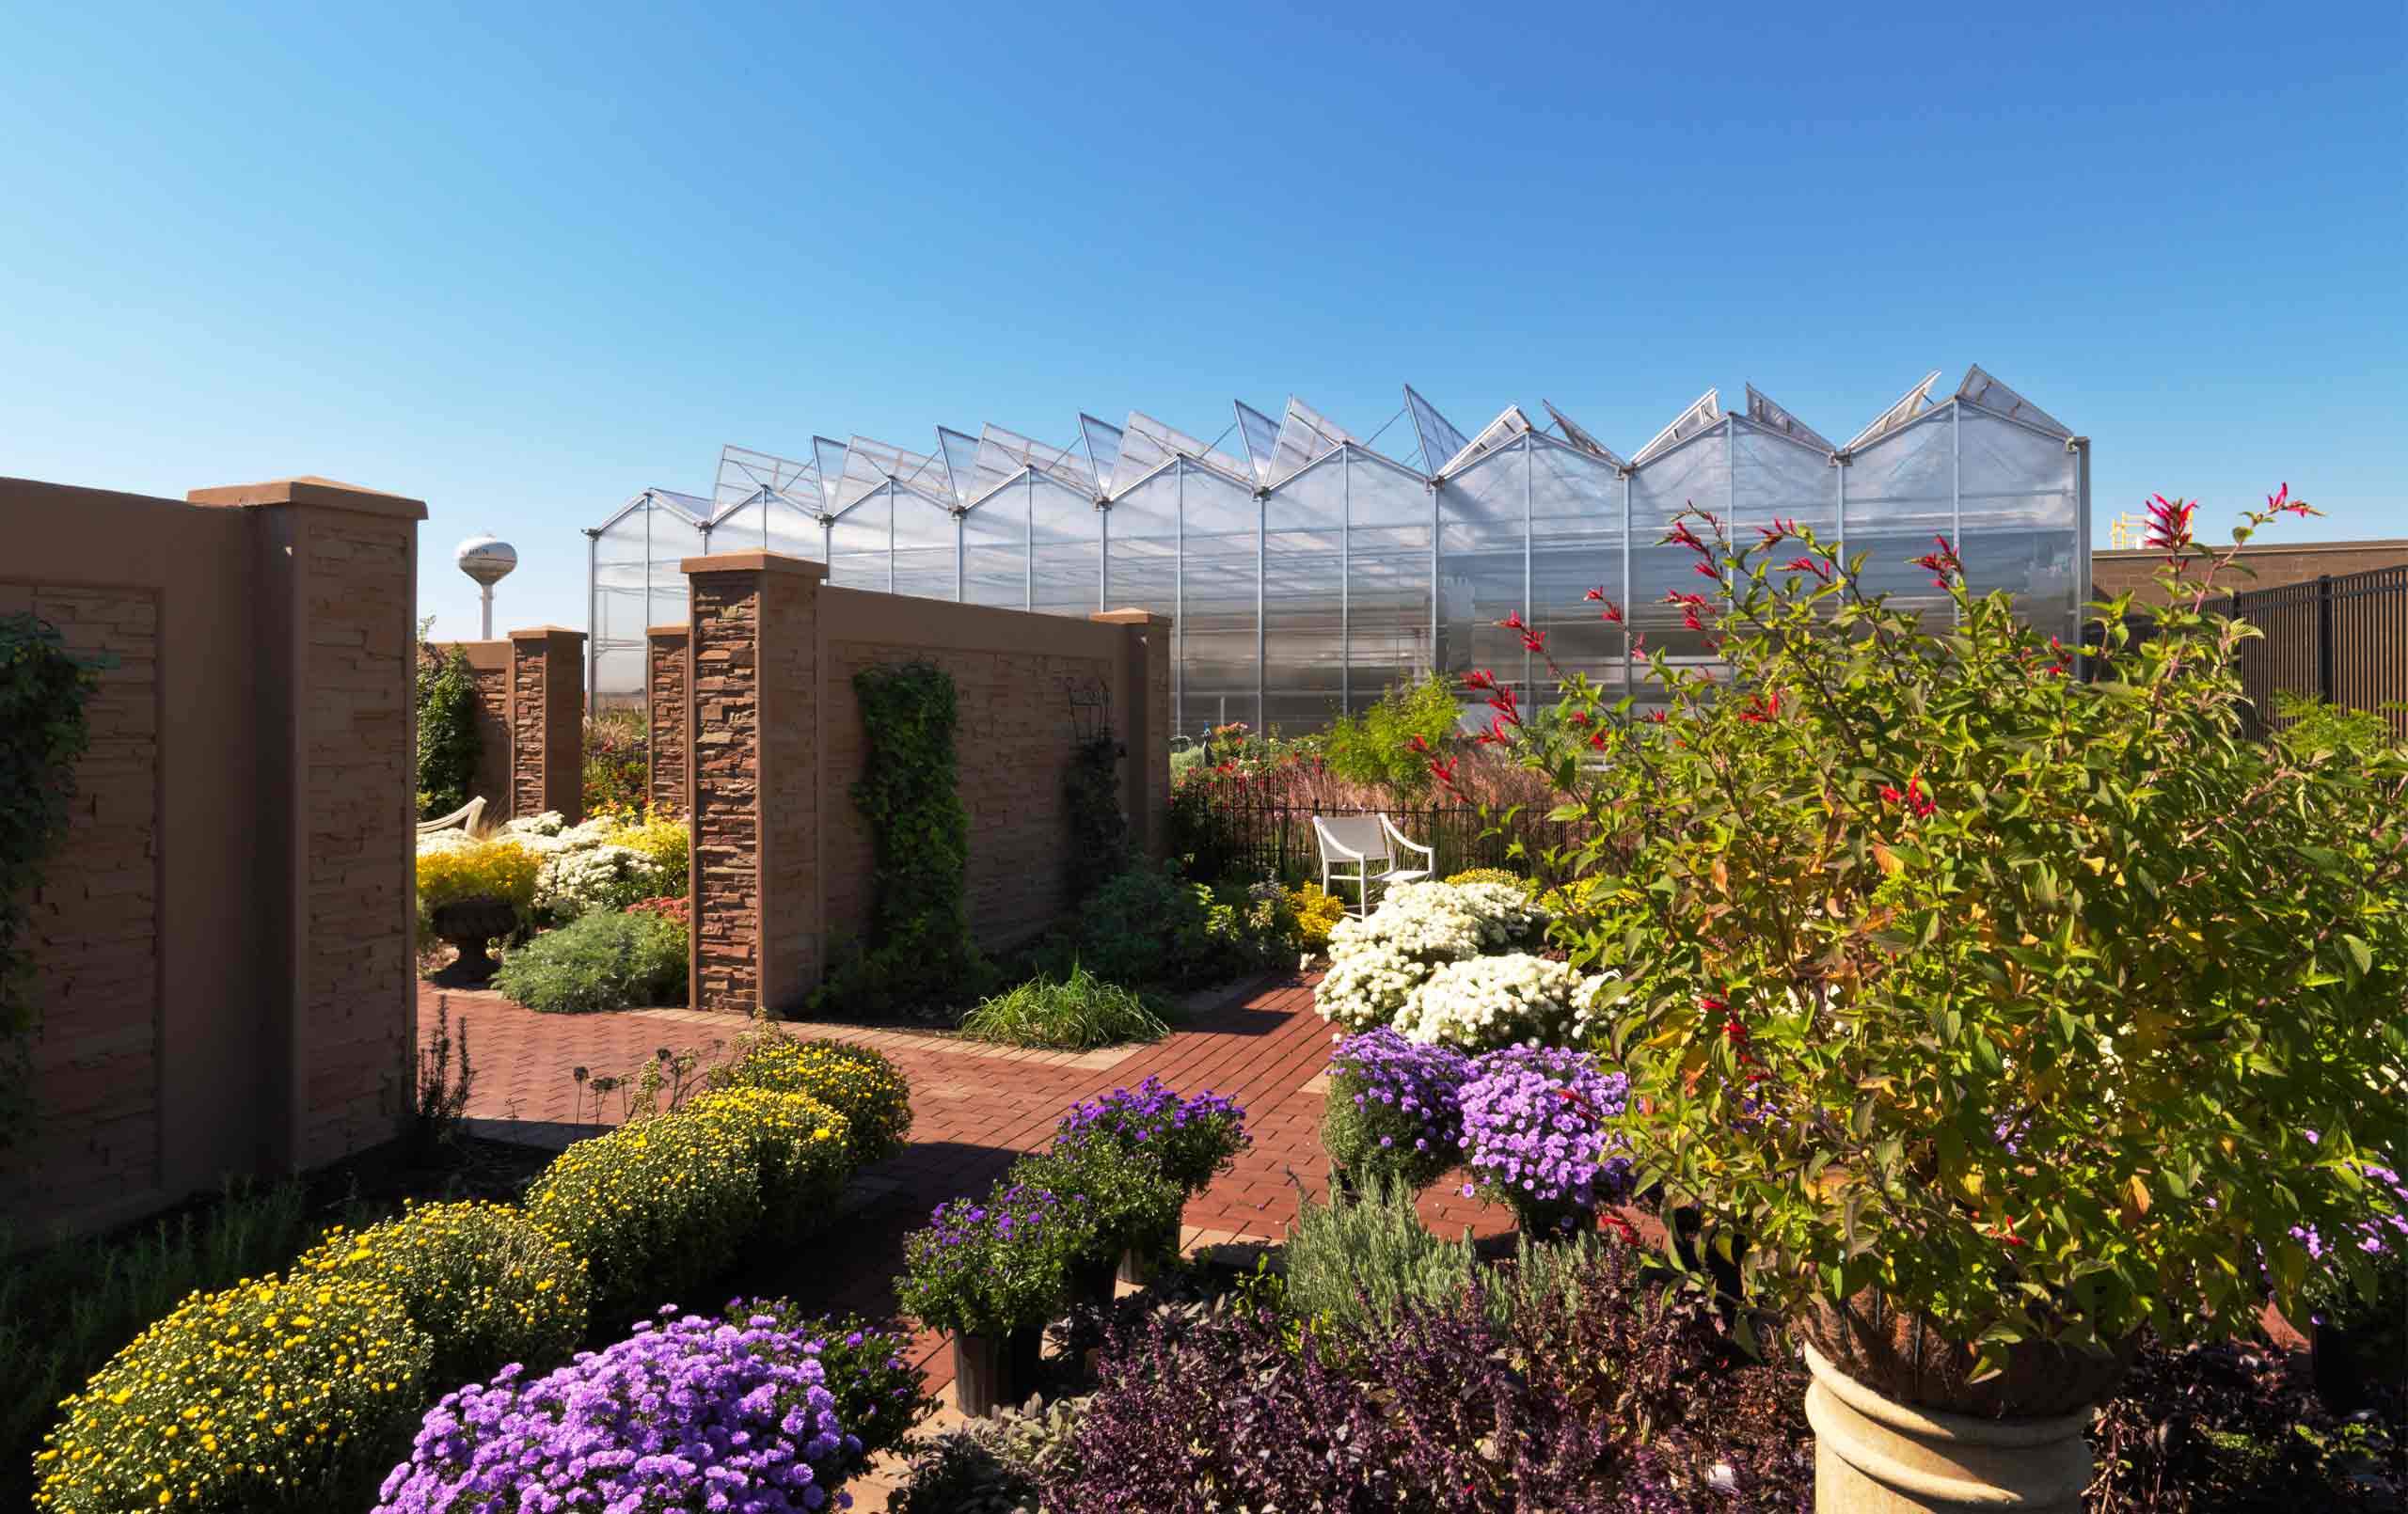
(572, 882)
(1484, 1003)
(1376, 963)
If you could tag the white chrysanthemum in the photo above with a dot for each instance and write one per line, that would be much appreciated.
(578, 878)
(451, 838)
(1375, 963)
(1490, 1001)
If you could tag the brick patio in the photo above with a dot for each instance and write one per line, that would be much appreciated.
(974, 1108)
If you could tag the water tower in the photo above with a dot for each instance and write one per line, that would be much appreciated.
(488, 560)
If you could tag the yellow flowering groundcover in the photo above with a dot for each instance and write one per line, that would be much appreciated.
(856, 1081)
(254, 1400)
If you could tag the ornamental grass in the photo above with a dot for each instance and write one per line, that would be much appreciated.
(488, 1285)
(267, 1396)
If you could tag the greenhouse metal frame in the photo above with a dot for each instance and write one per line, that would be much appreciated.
(1306, 572)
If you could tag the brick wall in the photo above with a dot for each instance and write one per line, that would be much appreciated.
(95, 918)
(2274, 564)
(362, 811)
(665, 703)
(221, 947)
(1012, 750)
(725, 790)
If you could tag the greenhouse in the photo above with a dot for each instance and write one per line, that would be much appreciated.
(1306, 571)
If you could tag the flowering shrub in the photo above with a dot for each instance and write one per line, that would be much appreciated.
(1145, 927)
(1129, 1202)
(1392, 1110)
(1486, 1001)
(1539, 1133)
(986, 1266)
(697, 1413)
(1317, 914)
(618, 766)
(665, 842)
(1952, 980)
(604, 861)
(1377, 961)
(598, 962)
(263, 1397)
(1192, 1139)
(798, 1143)
(1490, 875)
(654, 1208)
(451, 870)
(857, 1081)
(483, 1282)
(880, 1396)
(676, 908)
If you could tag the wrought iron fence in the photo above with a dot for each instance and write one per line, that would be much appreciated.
(2341, 639)
(1277, 839)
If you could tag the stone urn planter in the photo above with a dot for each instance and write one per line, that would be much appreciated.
(468, 925)
(1899, 1425)
(996, 1371)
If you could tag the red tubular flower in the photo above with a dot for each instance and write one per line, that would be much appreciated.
(1419, 746)
(1612, 612)
(1656, 716)
(1681, 534)
(1513, 621)
(2169, 523)
(1579, 718)
(1534, 640)
(1479, 678)
(1595, 594)
(1920, 802)
(1597, 739)
(1707, 570)
(1807, 564)
(1890, 795)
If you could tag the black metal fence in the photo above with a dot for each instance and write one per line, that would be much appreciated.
(1277, 839)
(2341, 639)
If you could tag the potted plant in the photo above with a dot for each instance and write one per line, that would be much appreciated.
(1391, 1112)
(1191, 1140)
(1131, 1207)
(1538, 1135)
(991, 1271)
(471, 892)
(2358, 1311)
(1986, 994)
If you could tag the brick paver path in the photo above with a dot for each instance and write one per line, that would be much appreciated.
(974, 1108)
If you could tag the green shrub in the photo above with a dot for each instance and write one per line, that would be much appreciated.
(448, 743)
(880, 1396)
(997, 1264)
(485, 1284)
(656, 1208)
(1145, 927)
(1377, 746)
(1358, 1263)
(799, 1144)
(857, 1081)
(598, 962)
(1073, 1014)
(1099, 826)
(272, 1394)
(65, 1311)
(1130, 1205)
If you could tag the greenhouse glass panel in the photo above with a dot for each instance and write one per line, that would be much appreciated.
(1696, 472)
(1775, 478)
(861, 544)
(1575, 545)
(924, 560)
(1260, 435)
(1143, 525)
(1389, 615)
(1900, 494)
(1066, 545)
(994, 550)
(1304, 590)
(1484, 566)
(2019, 498)
(1218, 522)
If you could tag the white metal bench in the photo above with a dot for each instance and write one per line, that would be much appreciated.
(466, 818)
(1363, 843)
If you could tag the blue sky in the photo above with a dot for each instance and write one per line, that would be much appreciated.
(524, 261)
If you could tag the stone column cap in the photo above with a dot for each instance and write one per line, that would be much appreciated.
(538, 633)
(1129, 617)
(681, 628)
(309, 489)
(754, 562)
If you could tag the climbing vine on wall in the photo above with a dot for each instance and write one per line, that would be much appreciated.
(919, 949)
(449, 744)
(1099, 827)
(43, 690)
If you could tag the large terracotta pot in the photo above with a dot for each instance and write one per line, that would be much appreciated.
(1900, 1425)
(468, 925)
